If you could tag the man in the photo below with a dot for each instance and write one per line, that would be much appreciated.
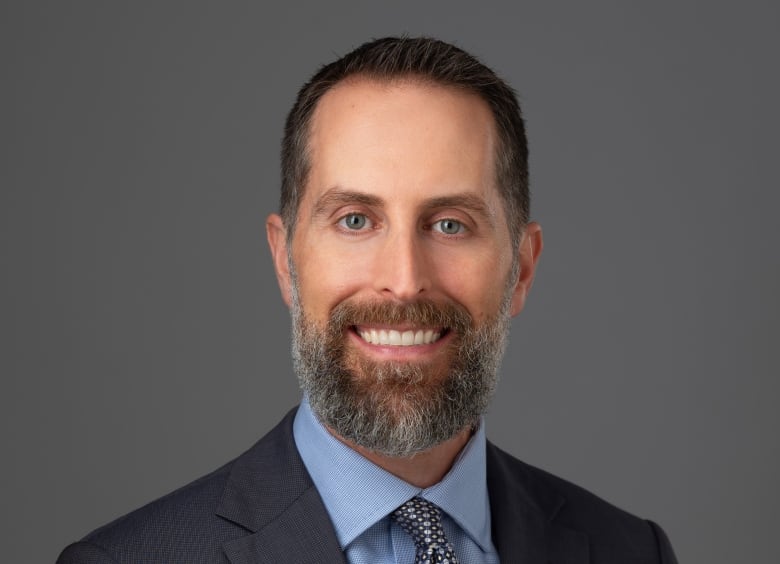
(403, 248)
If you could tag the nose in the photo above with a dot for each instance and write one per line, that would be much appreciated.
(402, 270)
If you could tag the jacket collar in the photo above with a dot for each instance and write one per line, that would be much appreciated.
(287, 521)
(523, 510)
(282, 511)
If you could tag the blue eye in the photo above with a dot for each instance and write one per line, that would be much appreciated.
(354, 221)
(449, 226)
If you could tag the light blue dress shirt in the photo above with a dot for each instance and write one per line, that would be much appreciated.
(359, 496)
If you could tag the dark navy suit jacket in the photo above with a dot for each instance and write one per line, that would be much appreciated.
(262, 508)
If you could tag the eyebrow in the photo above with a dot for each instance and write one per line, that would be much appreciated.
(337, 196)
(466, 201)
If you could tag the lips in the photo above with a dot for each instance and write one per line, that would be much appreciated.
(392, 337)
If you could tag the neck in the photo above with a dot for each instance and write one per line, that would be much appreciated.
(423, 469)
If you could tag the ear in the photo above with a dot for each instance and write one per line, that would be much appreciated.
(277, 241)
(530, 249)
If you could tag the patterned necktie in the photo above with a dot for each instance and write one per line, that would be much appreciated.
(422, 520)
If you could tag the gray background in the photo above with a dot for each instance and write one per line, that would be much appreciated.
(143, 339)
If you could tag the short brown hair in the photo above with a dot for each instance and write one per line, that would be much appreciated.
(426, 59)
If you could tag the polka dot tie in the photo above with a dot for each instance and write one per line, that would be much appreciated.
(422, 520)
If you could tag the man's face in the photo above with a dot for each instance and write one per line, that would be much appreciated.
(402, 278)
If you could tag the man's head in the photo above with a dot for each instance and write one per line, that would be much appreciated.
(400, 253)
(424, 60)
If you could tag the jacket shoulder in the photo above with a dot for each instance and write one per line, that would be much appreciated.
(613, 534)
(192, 524)
(178, 527)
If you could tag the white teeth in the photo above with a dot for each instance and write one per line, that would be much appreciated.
(398, 338)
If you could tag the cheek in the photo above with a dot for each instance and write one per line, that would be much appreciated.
(476, 281)
(327, 276)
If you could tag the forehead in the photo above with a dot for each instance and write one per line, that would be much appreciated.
(384, 134)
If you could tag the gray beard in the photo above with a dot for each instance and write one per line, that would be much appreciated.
(393, 408)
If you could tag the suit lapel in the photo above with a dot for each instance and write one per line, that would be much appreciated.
(270, 493)
(302, 534)
(523, 511)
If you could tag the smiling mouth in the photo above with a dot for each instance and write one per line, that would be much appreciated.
(392, 337)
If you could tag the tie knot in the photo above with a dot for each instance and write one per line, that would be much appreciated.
(421, 519)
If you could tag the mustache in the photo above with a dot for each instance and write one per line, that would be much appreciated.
(427, 313)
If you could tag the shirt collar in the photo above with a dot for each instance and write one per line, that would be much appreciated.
(348, 483)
